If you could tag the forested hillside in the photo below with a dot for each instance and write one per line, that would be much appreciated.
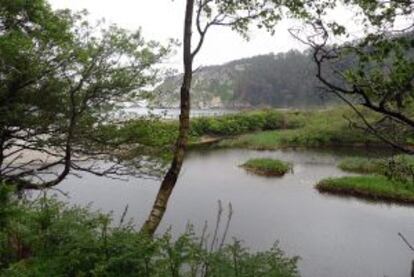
(276, 80)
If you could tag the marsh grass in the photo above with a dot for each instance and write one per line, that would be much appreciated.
(373, 187)
(267, 167)
(363, 165)
(399, 167)
(313, 129)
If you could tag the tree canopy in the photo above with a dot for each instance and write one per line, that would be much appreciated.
(381, 74)
(60, 79)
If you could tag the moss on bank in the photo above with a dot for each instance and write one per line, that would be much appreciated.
(370, 187)
(267, 167)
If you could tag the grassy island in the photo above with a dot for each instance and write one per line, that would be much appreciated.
(372, 187)
(267, 167)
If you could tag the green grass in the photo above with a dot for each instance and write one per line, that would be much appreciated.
(267, 167)
(399, 167)
(370, 187)
(363, 165)
(243, 122)
(313, 129)
(262, 129)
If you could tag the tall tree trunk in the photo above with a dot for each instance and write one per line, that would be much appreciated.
(171, 177)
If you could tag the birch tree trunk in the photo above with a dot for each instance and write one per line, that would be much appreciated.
(170, 179)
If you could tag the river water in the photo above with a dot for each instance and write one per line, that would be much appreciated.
(334, 236)
(168, 113)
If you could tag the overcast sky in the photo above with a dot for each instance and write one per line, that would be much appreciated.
(163, 19)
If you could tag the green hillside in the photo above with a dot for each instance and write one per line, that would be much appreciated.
(273, 80)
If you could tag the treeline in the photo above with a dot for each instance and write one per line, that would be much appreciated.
(282, 80)
(272, 80)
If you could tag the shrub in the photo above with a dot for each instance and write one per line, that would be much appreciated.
(48, 238)
(236, 124)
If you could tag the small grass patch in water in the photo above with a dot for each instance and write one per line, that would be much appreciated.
(372, 187)
(267, 167)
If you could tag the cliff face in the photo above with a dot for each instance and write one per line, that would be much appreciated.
(283, 80)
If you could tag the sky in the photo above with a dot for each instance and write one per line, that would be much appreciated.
(163, 19)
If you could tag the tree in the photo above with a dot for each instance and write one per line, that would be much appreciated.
(376, 71)
(237, 15)
(60, 80)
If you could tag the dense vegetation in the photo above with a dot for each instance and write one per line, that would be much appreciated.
(265, 129)
(313, 129)
(155, 137)
(267, 167)
(48, 238)
(241, 123)
(261, 81)
(60, 79)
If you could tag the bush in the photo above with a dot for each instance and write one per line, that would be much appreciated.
(49, 238)
(236, 124)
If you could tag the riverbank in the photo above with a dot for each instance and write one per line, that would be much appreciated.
(257, 130)
(388, 179)
(323, 128)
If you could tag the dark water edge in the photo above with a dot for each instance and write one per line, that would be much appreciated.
(334, 236)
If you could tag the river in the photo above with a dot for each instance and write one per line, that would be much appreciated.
(167, 113)
(334, 236)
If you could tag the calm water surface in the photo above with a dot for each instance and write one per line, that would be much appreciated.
(334, 236)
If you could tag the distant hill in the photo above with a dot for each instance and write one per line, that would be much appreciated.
(273, 80)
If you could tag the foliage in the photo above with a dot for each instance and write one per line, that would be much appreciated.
(48, 238)
(60, 79)
(267, 167)
(370, 187)
(230, 125)
(144, 136)
(155, 137)
(380, 77)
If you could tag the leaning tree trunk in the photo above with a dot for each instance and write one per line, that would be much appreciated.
(171, 177)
